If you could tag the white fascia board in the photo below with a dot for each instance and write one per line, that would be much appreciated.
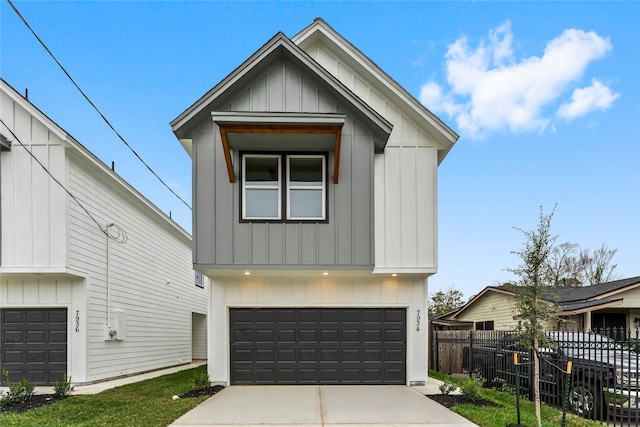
(321, 31)
(404, 271)
(42, 271)
(278, 118)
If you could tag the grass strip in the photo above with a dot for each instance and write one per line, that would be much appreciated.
(486, 416)
(146, 403)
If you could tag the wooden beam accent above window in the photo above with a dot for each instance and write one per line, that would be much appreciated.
(301, 129)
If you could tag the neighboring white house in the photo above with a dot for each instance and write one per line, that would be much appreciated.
(72, 300)
(315, 200)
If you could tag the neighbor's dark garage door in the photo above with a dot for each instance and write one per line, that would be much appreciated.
(318, 346)
(34, 344)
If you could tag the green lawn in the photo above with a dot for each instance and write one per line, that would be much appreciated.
(147, 403)
(507, 413)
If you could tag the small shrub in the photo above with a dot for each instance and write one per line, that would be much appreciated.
(447, 388)
(470, 389)
(18, 392)
(63, 388)
(201, 379)
(506, 388)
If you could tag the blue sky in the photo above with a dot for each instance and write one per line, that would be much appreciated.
(545, 96)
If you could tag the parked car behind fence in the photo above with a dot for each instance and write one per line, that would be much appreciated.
(604, 382)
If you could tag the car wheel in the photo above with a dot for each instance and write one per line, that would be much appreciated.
(584, 400)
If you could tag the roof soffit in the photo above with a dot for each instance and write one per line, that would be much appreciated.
(320, 32)
(277, 48)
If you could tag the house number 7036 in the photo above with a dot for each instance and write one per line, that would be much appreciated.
(77, 320)
(418, 321)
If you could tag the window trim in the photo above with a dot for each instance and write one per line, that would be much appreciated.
(261, 187)
(284, 187)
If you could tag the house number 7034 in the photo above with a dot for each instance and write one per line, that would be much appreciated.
(77, 320)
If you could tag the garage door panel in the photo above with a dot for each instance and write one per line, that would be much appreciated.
(36, 356)
(34, 344)
(308, 336)
(394, 336)
(35, 337)
(308, 316)
(351, 336)
(285, 355)
(35, 317)
(286, 316)
(9, 356)
(264, 336)
(12, 337)
(307, 355)
(265, 356)
(329, 336)
(286, 336)
(265, 316)
(329, 316)
(243, 335)
(322, 346)
(13, 317)
(351, 316)
(394, 316)
(329, 355)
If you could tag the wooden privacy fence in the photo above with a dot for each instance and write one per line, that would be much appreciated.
(446, 348)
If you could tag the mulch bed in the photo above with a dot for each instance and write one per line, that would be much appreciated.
(35, 401)
(207, 391)
(450, 400)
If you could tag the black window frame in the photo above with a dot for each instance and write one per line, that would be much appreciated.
(283, 155)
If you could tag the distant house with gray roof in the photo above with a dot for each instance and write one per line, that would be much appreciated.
(607, 305)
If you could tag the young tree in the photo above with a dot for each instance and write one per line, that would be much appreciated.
(536, 288)
(443, 302)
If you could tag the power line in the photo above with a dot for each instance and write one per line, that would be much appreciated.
(119, 237)
(93, 105)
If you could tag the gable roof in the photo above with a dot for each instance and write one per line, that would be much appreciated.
(279, 46)
(7, 90)
(319, 30)
(572, 300)
(599, 291)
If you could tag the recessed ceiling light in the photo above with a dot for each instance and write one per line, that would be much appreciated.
(394, 274)
(247, 273)
(325, 273)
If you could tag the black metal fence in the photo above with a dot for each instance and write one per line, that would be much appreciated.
(604, 382)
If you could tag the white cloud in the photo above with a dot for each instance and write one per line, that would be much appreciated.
(489, 90)
(588, 99)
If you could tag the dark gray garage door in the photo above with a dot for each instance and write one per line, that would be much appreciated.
(318, 346)
(34, 344)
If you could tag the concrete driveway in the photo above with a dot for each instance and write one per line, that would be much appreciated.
(320, 406)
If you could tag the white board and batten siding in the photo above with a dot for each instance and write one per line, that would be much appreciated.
(405, 179)
(304, 291)
(33, 206)
(54, 255)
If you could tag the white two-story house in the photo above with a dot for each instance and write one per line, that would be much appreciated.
(95, 280)
(315, 216)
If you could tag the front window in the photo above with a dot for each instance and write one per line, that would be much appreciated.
(299, 191)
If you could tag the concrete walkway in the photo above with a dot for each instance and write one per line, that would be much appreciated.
(311, 406)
